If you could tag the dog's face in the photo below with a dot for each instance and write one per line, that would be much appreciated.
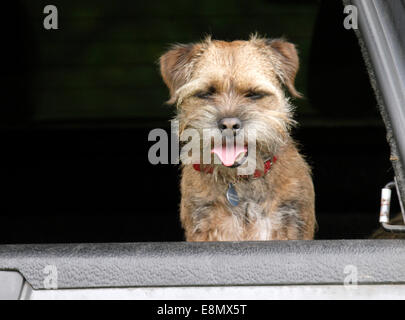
(234, 88)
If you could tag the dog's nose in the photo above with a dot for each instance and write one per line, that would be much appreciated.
(233, 124)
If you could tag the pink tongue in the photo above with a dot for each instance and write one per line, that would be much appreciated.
(228, 155)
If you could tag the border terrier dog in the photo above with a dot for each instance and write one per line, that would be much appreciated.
(235, 87)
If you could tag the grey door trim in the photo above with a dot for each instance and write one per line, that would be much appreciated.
(11, 284)
(294, 292)
(207, 264)
(381, 25)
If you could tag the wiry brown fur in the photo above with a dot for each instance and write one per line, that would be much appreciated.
(279, 205)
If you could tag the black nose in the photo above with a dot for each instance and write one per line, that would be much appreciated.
(233, 124)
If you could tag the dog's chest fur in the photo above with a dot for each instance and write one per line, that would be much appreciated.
(214, 218)
(273, 207)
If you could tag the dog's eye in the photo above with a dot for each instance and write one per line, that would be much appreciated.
(206, 94)
(254, 95)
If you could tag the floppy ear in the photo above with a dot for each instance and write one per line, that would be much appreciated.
(289, 63)
(176, 66)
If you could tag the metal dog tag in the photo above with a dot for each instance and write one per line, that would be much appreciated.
(232, 195)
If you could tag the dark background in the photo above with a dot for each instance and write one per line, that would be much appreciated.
(78, 104)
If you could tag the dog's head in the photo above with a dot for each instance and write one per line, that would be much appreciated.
(234, 89)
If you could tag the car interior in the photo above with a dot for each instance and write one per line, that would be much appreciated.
(79, 102)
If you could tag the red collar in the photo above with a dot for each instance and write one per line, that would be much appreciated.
(257, 174)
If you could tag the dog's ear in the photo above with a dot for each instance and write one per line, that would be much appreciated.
(289, 63)
(175, 66)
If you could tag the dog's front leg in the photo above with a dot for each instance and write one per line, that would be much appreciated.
(205, 220)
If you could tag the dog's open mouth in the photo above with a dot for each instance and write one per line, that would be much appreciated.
(231, 155)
